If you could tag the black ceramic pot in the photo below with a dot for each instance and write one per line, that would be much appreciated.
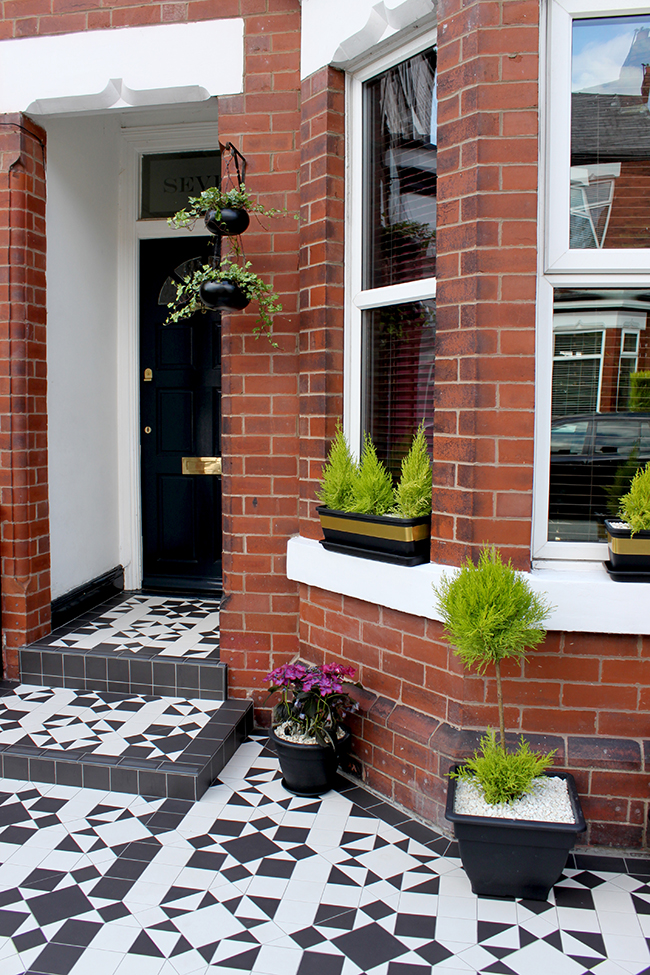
(514, 857)
(308, 770)
(222, 294)
(231, 223)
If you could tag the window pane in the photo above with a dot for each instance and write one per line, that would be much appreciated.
(610, 133)
(400, 173)
(599, 434)
(399, 362)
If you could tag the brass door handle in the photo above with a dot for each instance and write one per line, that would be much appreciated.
(202, 465)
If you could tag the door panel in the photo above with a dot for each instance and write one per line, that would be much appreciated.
(181, 406)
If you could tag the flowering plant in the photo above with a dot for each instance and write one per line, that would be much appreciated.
(312, 700)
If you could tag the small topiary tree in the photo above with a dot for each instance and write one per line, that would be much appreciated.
(337, 474)
(635, 505)
(490, 614)
(371, 486)
(413, 491)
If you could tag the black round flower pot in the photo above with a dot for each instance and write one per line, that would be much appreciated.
(222, 294)
(308, 770)
(231, 223)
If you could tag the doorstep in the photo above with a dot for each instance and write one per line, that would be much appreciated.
(119, 742)
(134, 643)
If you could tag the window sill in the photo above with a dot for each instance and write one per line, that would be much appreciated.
(586, 600)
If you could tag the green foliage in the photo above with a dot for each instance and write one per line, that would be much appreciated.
(367, 488)
(371, 487)
(337, 475)
(623, 478)
(635, 505)
(504, 776)
(188, 300)
(237, 198)
(489, 611)
(413, 491)
(640, 391)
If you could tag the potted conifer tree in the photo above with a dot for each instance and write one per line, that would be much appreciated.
(514, 824)
(629, 538)
(362, 514)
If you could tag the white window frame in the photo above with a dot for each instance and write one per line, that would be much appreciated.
(559, 267)
(359, 300)
(558, 256)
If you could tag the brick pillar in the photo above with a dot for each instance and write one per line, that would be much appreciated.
(24, 539)
(322, 188)
(259, 619)
(487, 234)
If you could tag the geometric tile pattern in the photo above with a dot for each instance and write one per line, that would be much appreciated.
(143, 744)
(161, 626)
(101, 723)
(134, 643)
(252, 879)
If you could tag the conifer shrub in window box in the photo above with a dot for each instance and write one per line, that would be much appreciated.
(629, 538)
(362, 513)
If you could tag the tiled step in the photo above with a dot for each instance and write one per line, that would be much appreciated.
(135, 643)
(148, 745)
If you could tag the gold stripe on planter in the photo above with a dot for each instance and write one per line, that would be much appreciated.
(629, 546)
(397, 533)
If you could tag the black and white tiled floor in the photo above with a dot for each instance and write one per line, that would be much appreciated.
(147, 625)
(251, 879)
(134, 643)
(101, 723)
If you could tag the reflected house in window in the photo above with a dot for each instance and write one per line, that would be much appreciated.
(599, 435)
(610, 148)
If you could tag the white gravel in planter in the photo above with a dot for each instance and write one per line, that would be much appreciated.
(281, 732)
(547, 802)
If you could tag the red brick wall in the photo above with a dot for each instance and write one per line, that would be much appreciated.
(322, 188)
(260, 404)
(587, 695)
(24, 539)
(486, 265)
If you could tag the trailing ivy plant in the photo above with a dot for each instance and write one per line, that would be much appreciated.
(236, 198)
(490, 614)
(188, 299)
(635, 505)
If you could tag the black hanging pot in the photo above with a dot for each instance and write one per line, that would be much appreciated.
(222, 294)
(231, 223)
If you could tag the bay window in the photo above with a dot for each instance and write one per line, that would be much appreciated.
(594, 285)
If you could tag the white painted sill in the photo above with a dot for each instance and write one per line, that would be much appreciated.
(586, 600)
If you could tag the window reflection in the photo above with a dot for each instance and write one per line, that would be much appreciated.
(399, 361)
(610, 133)
(401, 173)
(600, 431)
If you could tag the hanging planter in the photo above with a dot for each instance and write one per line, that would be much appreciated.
(226, 212)
(229, 222)
(225, 286)
(216, 295)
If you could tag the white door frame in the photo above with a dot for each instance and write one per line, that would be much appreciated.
(135, 143)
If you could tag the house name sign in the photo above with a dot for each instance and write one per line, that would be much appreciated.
(170, 178)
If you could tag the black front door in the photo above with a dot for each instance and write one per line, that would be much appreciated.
(180, 430)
